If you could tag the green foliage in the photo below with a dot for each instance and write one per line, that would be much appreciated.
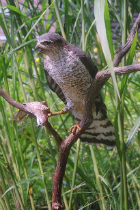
(28, 154)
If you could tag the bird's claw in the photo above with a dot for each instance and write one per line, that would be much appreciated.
(74, 127)
(49, 113)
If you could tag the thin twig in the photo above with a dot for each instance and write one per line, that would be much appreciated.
(11, 101)
(53, 132)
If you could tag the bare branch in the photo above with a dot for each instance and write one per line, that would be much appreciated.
(61, 164)
(128, 44)
(122, 70)
(53, 132)
(11, 101)
(102, 77)
(38, 110)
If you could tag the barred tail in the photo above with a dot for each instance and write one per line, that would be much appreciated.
(101, 131)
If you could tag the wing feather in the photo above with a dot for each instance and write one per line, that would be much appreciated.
(55, 87)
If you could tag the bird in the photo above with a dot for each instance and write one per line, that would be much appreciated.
(70, 72)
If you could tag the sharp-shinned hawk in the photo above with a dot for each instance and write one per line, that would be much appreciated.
(70, 72)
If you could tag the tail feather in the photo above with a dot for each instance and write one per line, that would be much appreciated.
(101, 131)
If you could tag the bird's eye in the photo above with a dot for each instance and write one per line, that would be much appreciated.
(45, 43)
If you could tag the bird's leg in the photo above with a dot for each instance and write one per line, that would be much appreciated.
(63, 111)
(57, 113)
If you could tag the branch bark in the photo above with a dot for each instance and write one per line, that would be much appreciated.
(65, 146)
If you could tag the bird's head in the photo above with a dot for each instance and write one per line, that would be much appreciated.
(49, 41)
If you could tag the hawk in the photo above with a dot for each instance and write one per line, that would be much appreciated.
(70, 72)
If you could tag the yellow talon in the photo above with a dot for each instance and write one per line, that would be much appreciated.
(74, 127)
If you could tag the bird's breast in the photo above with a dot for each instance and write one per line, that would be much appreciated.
(71, 75)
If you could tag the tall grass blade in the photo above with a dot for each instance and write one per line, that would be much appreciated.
(132, 133)
(99, 11)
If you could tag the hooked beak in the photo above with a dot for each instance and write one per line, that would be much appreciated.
(38, 47)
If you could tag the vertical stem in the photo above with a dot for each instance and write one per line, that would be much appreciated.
(97, 177)
(74, 173)
(32, 202)
(12, 177)
(59, 19)
(4, 188)
(58, 176)
(41, 168)
(67, 25)
(124, 32)
(83, 25)
(2, 204)
(24, 169)
(65, 199)
(121, 170)
(124, 190)
(7, 135)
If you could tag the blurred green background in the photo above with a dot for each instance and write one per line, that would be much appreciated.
(96, 177)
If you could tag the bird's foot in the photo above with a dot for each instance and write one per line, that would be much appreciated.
(56, 113)
(47, 108)
(63, 111)
(74, 127)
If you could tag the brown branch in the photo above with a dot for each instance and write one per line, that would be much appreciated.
(27, 109)
(128, 44)
(53, 132)
(62, 161)
(11, 101)
(102, 77)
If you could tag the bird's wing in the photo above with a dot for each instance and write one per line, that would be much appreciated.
(55, 87)
(85, 59)
(90, 66)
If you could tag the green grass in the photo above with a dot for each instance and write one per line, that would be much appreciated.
(96, 177)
